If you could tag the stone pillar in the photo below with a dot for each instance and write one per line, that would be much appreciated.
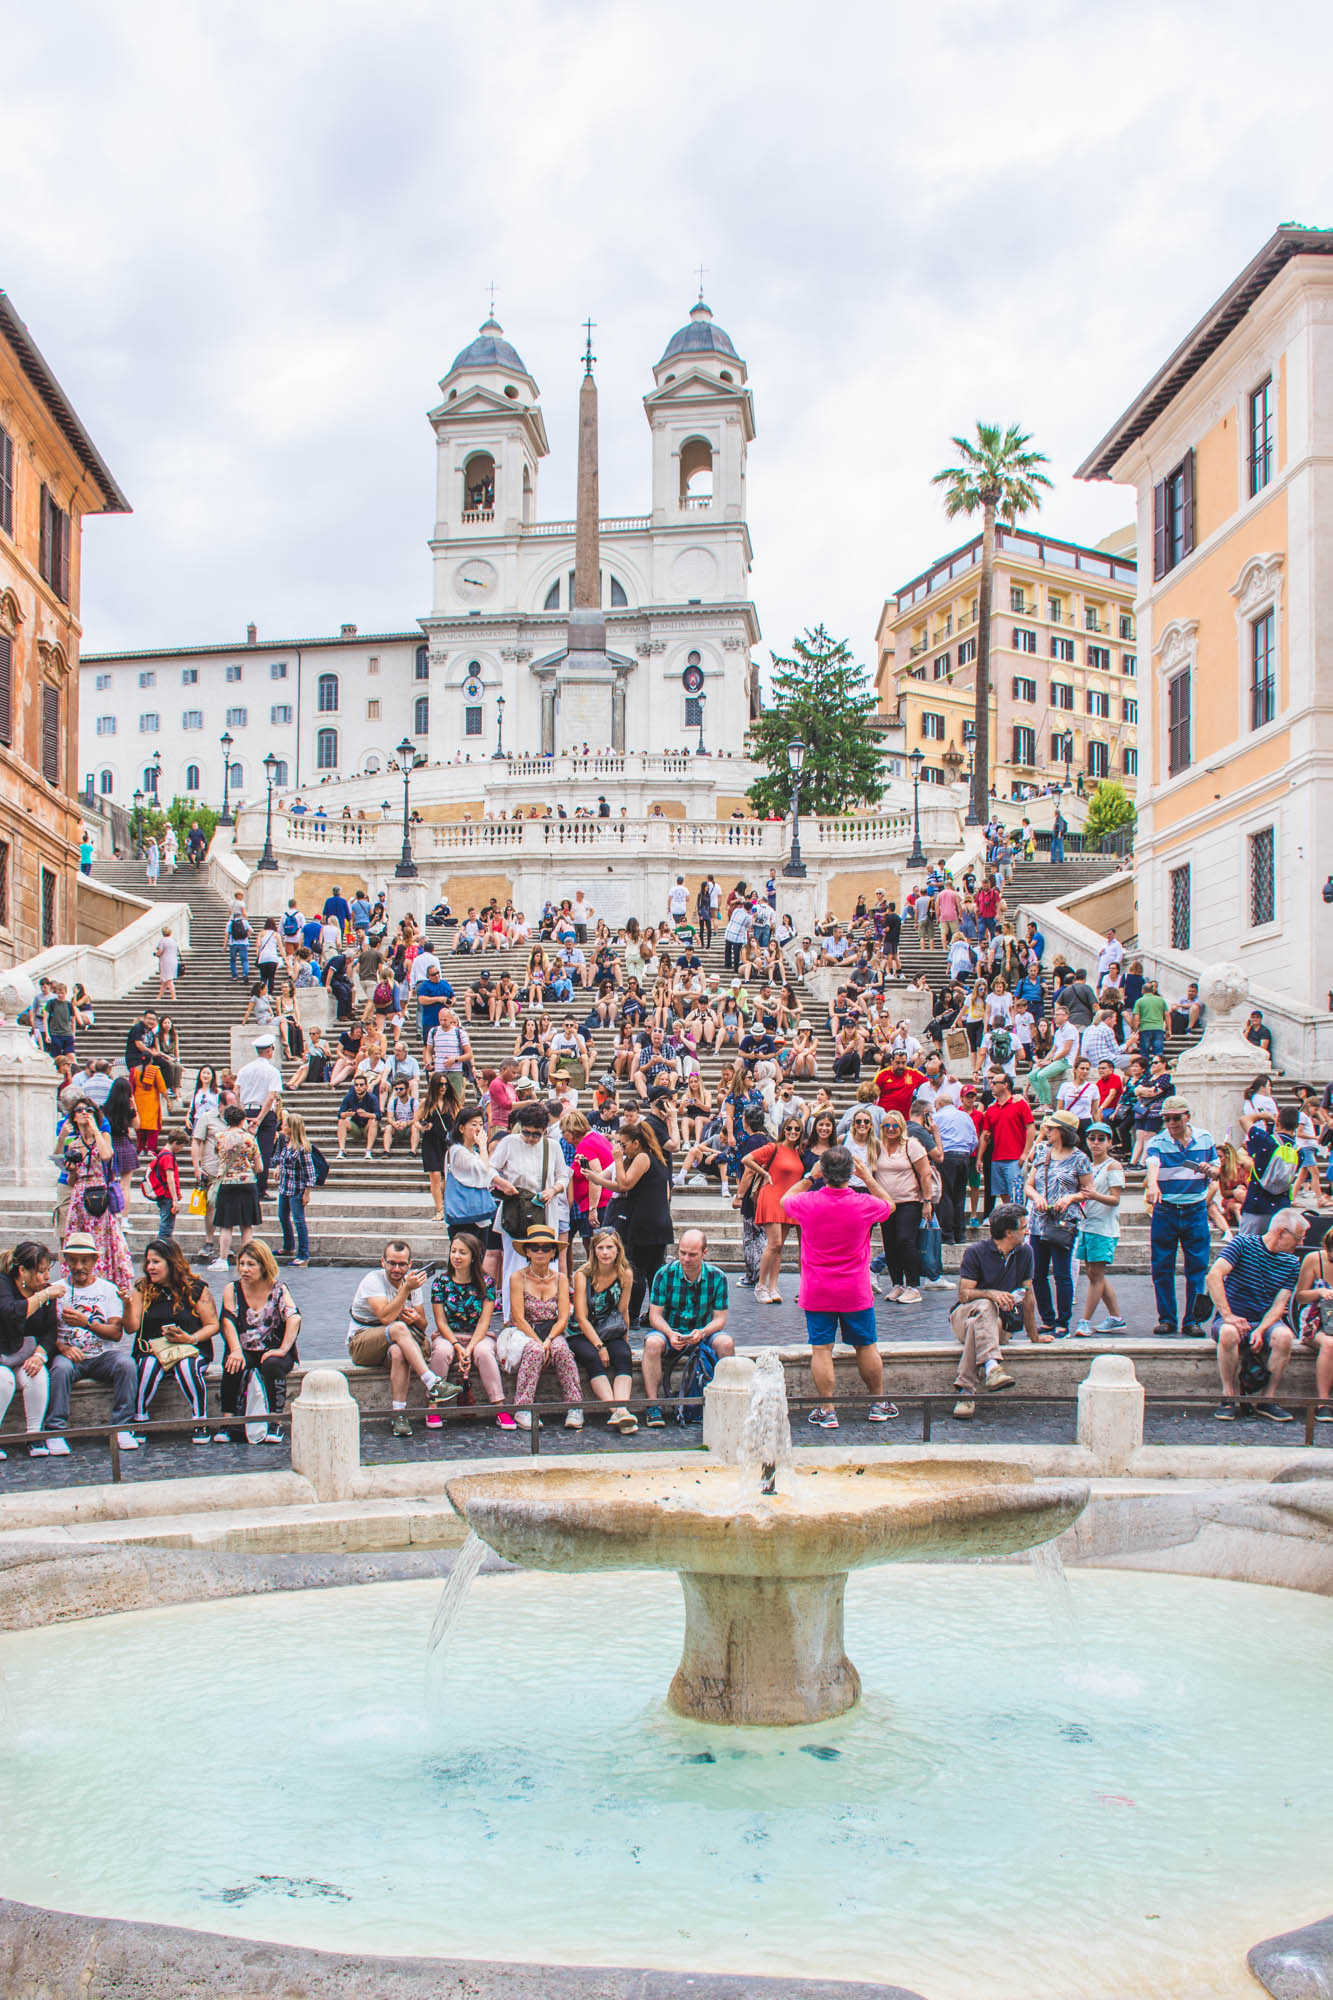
(1110, 1412)
(726, 1406)
(406, 897)
(314, 1007)
(326, 1434)
(267, 894)
(1213, 1075)
(28, 1081)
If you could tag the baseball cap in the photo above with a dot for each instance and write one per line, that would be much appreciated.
(1176, 1107)
(1098, 1126)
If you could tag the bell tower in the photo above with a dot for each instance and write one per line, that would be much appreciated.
(701, 414)
(490, 440)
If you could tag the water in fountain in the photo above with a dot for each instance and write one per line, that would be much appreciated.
(1060, 1607)
(456, 1587)
(766, 1445)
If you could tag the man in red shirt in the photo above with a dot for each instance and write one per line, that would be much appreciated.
(897, 1085)
(988, 906)
(1110, 1086)
(1008, 1132)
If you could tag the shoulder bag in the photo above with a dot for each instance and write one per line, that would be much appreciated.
(520, 1212)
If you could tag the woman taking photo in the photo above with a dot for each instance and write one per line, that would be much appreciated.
(435, 1135)
(1059, 1175)
(462, 1302)
(895, 1167)
(173, 1318)
(602, 1290)
(95, 1197)
(643, 1208)
(775, 1168)
(259, 1325)
(468, 1202)
(240, 1164)
(28, 1333)
(534, 1334)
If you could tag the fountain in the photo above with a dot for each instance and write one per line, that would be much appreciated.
(763, 1549)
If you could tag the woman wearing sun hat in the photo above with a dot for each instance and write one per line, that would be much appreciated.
(533, 1337)
(1059, 1176)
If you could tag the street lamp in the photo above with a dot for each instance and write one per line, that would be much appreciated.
(407, 757)
(226, 739)
(499, 749)
(268, 859)
(973, 817)
(699, 746)
(917, 858)
(155, 772)
(796, 758)
(136, 823)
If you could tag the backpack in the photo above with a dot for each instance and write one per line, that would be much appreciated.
(1283, 1166)
(384, 994)
(1001, 1044)
(238, 929)
(695, 1377)
(290, 924)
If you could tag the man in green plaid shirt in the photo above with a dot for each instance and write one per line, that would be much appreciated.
(687, 1310)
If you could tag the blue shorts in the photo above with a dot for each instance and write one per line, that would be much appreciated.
(858, 1328)
(1093, 1249)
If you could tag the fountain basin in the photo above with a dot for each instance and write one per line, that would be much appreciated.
(763, 1575)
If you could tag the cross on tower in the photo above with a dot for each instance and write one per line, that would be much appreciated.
(588, 356)
(702, 269)
(491, 289)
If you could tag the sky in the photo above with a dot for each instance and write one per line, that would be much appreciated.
(250, 238)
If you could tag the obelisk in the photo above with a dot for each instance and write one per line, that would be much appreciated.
(587, 625)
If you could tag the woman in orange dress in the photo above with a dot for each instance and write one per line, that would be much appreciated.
(775, 1170)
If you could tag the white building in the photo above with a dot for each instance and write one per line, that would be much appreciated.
(680, 625)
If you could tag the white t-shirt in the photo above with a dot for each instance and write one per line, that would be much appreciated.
(256, 1080)
(375, 1285)
(100, 1297)
(1097, 1219)
(678, 901)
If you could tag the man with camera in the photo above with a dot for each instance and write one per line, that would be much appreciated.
(387, 1328)
(994, 1299)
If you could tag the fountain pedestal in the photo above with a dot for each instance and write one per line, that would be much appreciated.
(763, 1649)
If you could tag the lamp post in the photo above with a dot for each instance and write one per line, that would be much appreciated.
(268, 859)
(973, 819)
(699, 750)
(136, 824)
(407, 757)
(226, 739)
(796, 758)
(499, 750)
(154, 773)
(917, 858)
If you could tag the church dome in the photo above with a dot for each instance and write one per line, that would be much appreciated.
(488, 350)
(699, 337)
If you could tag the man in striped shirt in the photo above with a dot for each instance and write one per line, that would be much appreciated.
(450, 1052)
(1182, 1162)
(1251, 1285)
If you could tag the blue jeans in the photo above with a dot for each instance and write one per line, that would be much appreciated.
(291, 1216)
(114, 1368)
(1151, 1041)
(239, 955)
(1052, 1260)
(166, 1217)
(1006, 1180)
(1186, 1226)
(1058, 848)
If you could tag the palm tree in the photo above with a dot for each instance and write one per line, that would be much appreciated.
(998, 477)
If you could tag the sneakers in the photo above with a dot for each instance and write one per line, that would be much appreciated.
(443, 1392)
(964, 1409)
(504, 1422)
(401, 1426)
(1083, 1329)
(892, 1293)
(523, 1418)
(1225, 1413)
(434, 1421)
(300, 1263)
(340, 1155)
(39, 1450)
(909, 1296)
(880, 1413)
(1324, 1414)
(653, 1417)
(219, 1264)
(940, 1284)
(996, 1379)
(202, 1437)
(128, 1441)
(57, 1446)
(823, 1420)
(1114, 1325)
(1273, 1411)
(623, 1421)
(1165, 1331)
(573, 1420)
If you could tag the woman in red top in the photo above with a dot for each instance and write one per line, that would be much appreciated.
(776, 1169)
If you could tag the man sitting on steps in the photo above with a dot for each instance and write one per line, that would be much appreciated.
(387, 1328)
(994, 1298)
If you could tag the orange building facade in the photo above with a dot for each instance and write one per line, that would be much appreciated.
(51, 475)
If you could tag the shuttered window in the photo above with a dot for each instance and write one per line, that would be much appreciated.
(50, 733)
(6, 689)
(6, 482)
(53, 546)
(1173, 528)
(1178, 723)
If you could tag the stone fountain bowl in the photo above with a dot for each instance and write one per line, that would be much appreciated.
(712, 1521)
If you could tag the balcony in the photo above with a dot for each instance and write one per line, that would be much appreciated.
(473, 515)
(696, 503)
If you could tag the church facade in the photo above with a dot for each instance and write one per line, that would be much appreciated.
(657, 654)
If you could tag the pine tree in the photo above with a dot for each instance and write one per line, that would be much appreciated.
(1110, 810)
(821, 695)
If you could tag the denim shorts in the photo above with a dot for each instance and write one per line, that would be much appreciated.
(858, 1328)
(1091, 1249)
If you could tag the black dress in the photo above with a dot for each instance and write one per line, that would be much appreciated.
(643, 1223)
(434, 1142)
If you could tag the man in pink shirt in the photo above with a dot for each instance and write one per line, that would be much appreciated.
(947, 908)
(501, 1098)
(835, 1221)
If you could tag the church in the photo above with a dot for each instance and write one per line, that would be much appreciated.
(626, 635)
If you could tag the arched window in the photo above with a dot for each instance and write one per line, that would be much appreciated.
(326, 750)
(696, 472)
(191, 777)
(421, 715)
(618, 591)
(106, 784)
(553, 597)
(694, 659)
(280, 773)
(479, 486)
(328, 694)
(423, 663)
(150, 779)
(236, 776)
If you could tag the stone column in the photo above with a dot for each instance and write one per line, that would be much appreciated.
(28, 1081)
(1110, 1412)
(1214, 1075)
(326, 1434)
(405, 897)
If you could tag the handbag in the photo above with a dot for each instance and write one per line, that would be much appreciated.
(168, 1352)
(198, 1202)
(1055, 1228)
(522, 1211)
(464, 1203)
(320, 1165)
(931, 1241)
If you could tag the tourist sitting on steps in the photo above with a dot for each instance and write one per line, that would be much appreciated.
(994, 1299)
(533, 1337)
(1251, 1282)
(359, 1113)
(687, 1313)
(387, 1329)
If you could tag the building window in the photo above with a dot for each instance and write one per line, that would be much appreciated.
(280, 714)
(236, 775)
(1263, 686)
(280, 772)
(1099, 762)
(51, 733)
(421, 715)
(942, 665)
(103, 682)
(1129, 759)
(48, 895)
(326, 750)
(4, 885)
(1024, 640)
(53, 547)
(234, 670)
(193, 718)
(931, 774)
(148, 725)
(6, 482)
(278, 670)
(1173, 518)
(1179, 880)
(236, 718)
(1062, 695)
(373, 664)
(1099, 658)
(1017, 600)
(1178, 723)
(106, 725)
(1129, 664)
(967, 652)
(552, 600)
(372, 711)
(694, 712)
(189, 677)
(472, 720)
(421, 669)
(1062, 649)
(328, 694)
(1098, 703)
(191, 777)
(106, 784)
(1024, 690)
(150, 780)
(1057, 611)
(6, 689)
(932, 726)
(1261, 436)
(1129, 711)
(1092, 618)
(1263, 880)
(1126, 625)
(146, 680)
(1062, 747)
(1025, 744)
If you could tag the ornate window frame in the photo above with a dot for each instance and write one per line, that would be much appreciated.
(1177, 651)
(1257, 591)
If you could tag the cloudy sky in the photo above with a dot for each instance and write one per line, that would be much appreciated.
(250, 238)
